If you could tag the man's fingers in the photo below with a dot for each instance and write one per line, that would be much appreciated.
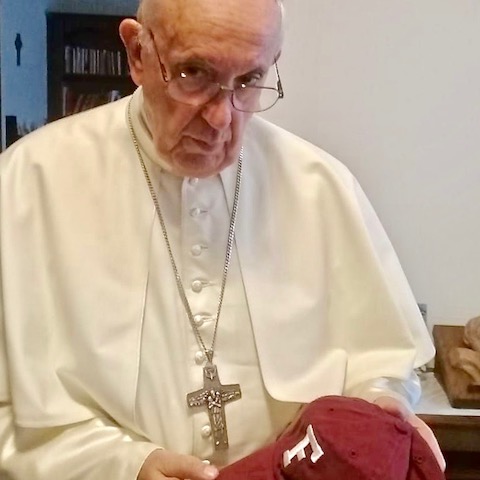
(185, 466)
(426, 432)
(395, 407)
(163, 464)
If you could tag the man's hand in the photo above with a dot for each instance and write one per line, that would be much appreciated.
(163, 464)
(397, 408)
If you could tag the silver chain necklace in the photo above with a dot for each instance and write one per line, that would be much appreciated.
(213, 395)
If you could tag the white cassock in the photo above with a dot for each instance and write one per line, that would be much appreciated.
(99, 353)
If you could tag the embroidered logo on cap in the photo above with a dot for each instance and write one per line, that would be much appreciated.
(299, 449)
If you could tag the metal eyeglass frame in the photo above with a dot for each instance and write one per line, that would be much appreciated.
(222, 88)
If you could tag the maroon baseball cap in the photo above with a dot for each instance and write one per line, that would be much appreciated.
(341, 438)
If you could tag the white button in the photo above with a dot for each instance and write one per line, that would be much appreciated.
(198, 319)
(206, 431)
(199, 358)
(195, 212)
(193, 181)
(196, 250)
(197, 286)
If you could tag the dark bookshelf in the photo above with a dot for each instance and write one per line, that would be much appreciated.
(87, 63)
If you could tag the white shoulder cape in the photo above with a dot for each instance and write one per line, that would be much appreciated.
(329, 303)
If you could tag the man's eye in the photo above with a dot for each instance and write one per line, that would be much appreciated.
(193, 72)
(249, 80)
(191, 78)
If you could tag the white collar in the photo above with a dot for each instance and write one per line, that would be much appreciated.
(143, 132)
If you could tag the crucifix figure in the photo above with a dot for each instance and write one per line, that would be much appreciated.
(214, 395)
(18, 47)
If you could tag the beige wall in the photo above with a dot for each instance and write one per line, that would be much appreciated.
(392, 88)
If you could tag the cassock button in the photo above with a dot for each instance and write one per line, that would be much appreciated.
(199, 357)
(198, 319)
(195, 212)
(197, 286)
(196, 250)
(206, 431)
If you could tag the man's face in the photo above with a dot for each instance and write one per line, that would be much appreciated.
(233, 42)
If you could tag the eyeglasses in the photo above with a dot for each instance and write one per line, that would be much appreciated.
(193, 85)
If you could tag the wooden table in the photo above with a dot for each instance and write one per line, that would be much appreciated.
(457, 431)
(459, 439)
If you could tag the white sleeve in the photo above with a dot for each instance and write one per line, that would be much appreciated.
(96, 449)
(407, 391)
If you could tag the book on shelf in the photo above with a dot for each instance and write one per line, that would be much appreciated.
(94, 61)
(74, 101)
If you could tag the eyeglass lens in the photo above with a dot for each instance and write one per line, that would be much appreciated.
(197, 91)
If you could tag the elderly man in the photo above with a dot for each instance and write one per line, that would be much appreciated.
(180, 276)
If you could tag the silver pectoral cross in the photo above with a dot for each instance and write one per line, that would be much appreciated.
(214, 395)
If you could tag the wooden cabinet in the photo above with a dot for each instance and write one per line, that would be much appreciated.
(457, 430)
(459, 439)
(87, 64)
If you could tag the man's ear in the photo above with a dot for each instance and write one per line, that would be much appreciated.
(129, 32)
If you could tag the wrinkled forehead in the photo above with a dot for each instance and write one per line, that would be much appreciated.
(224, 27)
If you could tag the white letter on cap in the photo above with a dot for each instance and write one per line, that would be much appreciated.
(299, 449)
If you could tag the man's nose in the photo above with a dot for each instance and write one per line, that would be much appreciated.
(218, 111)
